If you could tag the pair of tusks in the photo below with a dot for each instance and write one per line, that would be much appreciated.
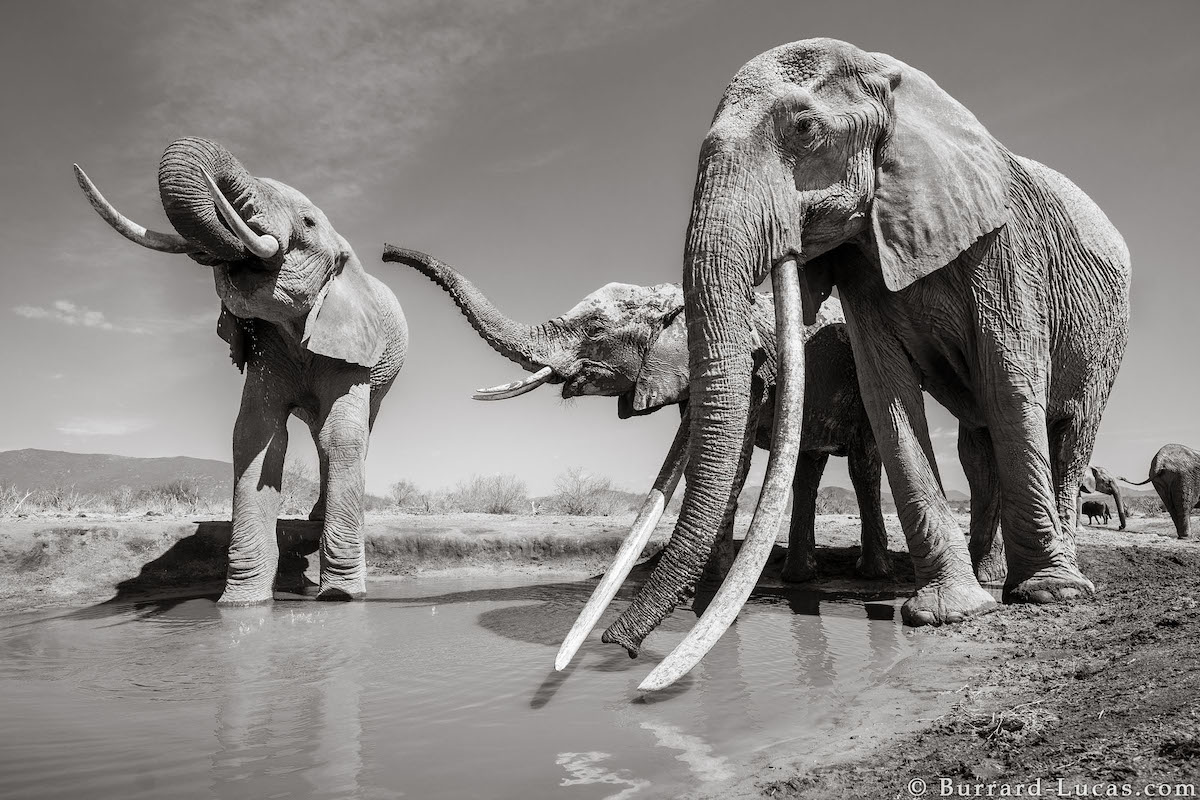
(261, 245)
(743, 575)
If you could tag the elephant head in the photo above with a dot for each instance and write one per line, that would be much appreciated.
(275, 256)
(1098, 479)
(622, 340)
(821, 160)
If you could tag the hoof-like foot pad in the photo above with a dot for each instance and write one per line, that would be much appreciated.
(1053, 587)
(340, 594)
(239, 599)
(876, 569)
(943, 605)
(801, 572)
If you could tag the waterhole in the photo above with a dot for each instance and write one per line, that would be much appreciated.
(432, 688)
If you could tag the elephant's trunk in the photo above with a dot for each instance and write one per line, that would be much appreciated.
(189, 205)
(523, 344)
(721, 257)
(1116, 493)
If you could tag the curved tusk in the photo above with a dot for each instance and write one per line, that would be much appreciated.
(162, 242)
(785, 446)
(647, 518)
(507, 390)
(263, 245)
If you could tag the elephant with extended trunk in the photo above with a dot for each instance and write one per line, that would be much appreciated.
(1175, 473)
(630, 342)
(315, 334)
(984, 278)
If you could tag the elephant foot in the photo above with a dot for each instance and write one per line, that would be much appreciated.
(245, 596)
(940, 604)
(875, 567)
(343, 590)
(1050, 585)
(800, 569)
(991, 570)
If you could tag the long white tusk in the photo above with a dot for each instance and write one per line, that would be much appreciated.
(507, 390)
(631, 548)
(263, 245)
(785, 446)
(162, 242)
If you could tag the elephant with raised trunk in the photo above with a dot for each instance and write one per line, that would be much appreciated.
(1175, 473)
(984, 278)
(630, 342)
(316, 336)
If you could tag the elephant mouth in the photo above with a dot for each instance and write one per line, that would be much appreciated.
(627, 407)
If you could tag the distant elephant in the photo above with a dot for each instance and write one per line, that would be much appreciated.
(630, 342)
(315, 334)
(1175, 472)
(1099, 480)
(984, 278)
(1094, 509)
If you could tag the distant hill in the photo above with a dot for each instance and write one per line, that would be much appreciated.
(98, 473)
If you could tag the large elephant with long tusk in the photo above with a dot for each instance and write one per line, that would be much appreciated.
(630, 342)
(316, 336)
(984, 278)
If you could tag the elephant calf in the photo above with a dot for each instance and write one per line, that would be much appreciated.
(1094, 509)
(630, 342)
(316, 336)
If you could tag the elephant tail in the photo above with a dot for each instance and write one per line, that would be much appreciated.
(1139, 483)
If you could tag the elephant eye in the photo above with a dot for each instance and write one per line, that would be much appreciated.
(309, 221)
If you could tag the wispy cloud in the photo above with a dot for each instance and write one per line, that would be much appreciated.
(94, 426)
(66, 312)
(325, 83)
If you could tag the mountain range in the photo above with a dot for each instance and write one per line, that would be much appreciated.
(100, 473)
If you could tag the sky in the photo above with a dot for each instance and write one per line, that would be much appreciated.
(542, 148)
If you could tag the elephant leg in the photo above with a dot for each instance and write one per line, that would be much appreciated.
(801, 562)
(947, 590)
(259, 446)
(1071, 442)
(865, 469)
(318, 510)
(979, 465)
(1179, 495)
(343, 438)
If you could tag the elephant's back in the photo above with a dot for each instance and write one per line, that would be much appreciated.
(1174, 458)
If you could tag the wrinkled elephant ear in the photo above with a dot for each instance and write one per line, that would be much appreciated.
(941, 179)
(664, 376)
(239, 334)
(344, 321)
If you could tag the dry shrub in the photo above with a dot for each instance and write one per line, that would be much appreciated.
(405, 495)
(579, 494)
(11, 500)
(490, 494)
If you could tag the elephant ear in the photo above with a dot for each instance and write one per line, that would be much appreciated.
(344, 322)
(664, 377)
(941, 180)
(239, 334)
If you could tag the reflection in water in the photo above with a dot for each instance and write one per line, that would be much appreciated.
(433, 689)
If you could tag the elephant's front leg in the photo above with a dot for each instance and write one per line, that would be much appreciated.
(947, 590)
(342, 442)
(259, 445)
(801, 562)
(979, 465)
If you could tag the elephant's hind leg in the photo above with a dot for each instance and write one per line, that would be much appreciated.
(979, 465)
(801, 562)
(865, 468)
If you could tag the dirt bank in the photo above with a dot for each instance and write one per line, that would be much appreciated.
(1104, 692)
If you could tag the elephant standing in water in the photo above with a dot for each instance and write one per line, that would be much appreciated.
(1175, 473)
(630, 342)
(315, 334)
(984, 278)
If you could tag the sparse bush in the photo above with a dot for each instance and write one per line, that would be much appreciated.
(405, 495)
(11, 500)
(63, 499)
(579, 494)
(490, 494)
(1144, 506)
(300, 489)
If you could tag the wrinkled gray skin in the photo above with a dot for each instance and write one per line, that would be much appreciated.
(630, 342)
(984, 278)
(1175, 473)
(316, 336)
(1096, 510)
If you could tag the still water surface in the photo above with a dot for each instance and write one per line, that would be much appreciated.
(432, 688)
